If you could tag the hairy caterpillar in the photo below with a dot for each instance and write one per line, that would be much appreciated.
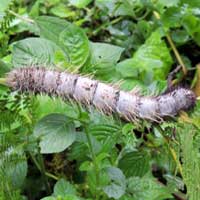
(106, 98)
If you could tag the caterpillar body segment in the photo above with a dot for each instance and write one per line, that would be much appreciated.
(128, 105)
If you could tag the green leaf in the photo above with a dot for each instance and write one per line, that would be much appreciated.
(80, 3)
(56, 133)
(152, 61)
(67, 197)
(180, 36)
(103, 60)
(47, 105)
(103, 53)
(135, 163)
(86, 166)
(62, 10)
(4, 6)
(192, 3)
(124, 68)
(189, 147)
(192, 26)
(168, 3)
(33, 51)
(4, 68)
(51, 27)
(13, 164)
(63, 187)
(117, 186)
(75, 44)
(49, 198)
(172, 17)
(146, 188)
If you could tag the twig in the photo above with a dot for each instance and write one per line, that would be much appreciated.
(171, 43)
(43, 172)
(51, 176)
(39, 167)
(94, 160)
(3, 81)
(172, 151)
(170, 81)
(21, 17)
(114, 21)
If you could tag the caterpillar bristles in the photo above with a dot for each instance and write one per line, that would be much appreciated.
(131, 106)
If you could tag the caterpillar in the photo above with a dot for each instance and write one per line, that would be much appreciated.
(129, 106)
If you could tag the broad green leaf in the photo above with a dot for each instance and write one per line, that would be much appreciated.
(4, 68)
(163, 5)
(152, 61)
(124, 8)
(63, 187)
(51, 27)
(117, 186)
(75, 43)
(189, 147)
(33, 51)
(49, 198)
(180, 36)
(192, 3)
(172, 17)
(192, 26)
(62, 10)
(86, 166)
(13, 165)
(135, 163)
(103, 60)
(80, 3)
(146, 188)
(103, 53)
(4, 6)
(124, 68)
(107, 5)
(18, 172)
(47, 105)
(56, 133)
(168, 3)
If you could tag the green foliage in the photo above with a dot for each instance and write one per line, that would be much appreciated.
(32, 56)
(55, 132)
(75, 44)
(190, 158)
(56, 150)
(145, 188)
(135, 163)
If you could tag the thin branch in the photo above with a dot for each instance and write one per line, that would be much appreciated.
(3, 81)
(172, 151)
(171, 43)
(94, 160)
(21, 17)
(51, 176)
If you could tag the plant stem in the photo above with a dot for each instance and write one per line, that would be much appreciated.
(114, 21)
(39, 168)
(35, 161)
(94, 160)
(51, 176)
(178, 57)
(172, 151)
(171, 43)
(21, 17)
(3, 81)
(43, 174)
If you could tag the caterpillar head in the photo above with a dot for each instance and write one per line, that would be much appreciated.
(185, 98)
